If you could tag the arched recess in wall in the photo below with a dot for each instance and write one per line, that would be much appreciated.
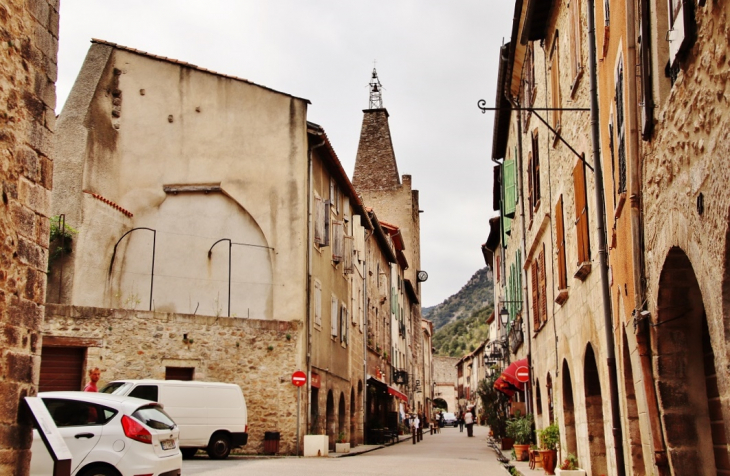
(352, 417)
(538, 398)
(594, 414)
(331, 419)
(342, 415)
(187, 279)
(568, 411)
(690, 405)
(631, 414)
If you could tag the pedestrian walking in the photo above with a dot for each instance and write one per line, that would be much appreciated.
(469, 422)
(460, 417)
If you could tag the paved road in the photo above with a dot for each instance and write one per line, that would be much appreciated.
(449, 452)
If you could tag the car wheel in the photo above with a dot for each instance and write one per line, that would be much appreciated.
(188, 452)
(99, 471)
(219, 446)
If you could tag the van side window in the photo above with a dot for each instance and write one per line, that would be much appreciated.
(145, 392)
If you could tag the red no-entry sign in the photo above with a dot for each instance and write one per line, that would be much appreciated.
(523, 374)
(299, 378)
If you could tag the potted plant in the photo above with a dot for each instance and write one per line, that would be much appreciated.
(495, 405)
(341, 444)
(549, 439)
(520, 429)
(569, 467)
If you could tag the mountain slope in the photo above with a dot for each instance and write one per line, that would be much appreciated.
(475, 295)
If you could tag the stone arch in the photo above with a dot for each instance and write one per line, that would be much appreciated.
(690, 406)
(631, 414)
(331, 419)
(571, 442)
(352, 417)
(550, 399)
(538, 398)
(594, 413)
(342, 416)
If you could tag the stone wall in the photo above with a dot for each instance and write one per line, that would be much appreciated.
(258, 355)
(28, 51)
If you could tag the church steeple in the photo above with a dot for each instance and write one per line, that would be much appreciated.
(375, 164)
(376, 95)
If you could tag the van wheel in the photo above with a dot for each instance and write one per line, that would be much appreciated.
(188, 452)
(219, 446)
(99, 471)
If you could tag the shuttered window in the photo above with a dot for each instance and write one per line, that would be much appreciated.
(334, 314)
(338, 241)
(317, 303)
(560, 244)
(343, 325)
(534, 172)
(647, 100)
(555, 84)
(529, 185)
(510, 188)
(682, 28)
(542, 283)
(321, 222)
(534, 274)
(581, 213)
(576, 61)
(348, 254)
(620, 127)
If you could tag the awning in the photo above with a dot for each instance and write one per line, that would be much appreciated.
(397, 394)
(517, 373)
(504, 387)
(376, 383)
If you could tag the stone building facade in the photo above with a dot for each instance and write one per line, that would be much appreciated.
(661, 134)
(444, 381)
(28, 71)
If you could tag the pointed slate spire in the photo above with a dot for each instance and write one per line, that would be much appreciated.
(375, 165)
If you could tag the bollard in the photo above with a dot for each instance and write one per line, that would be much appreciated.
(414, 435)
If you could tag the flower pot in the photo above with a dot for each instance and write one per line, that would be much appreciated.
(570, 472)
(549, 460)
(507, 443)
(342, 447)
(521, 452)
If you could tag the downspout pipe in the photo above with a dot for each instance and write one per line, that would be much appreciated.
(310, 244)
(602, 242)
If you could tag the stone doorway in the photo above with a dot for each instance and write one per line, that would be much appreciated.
(571, 444)
(686, 384)
(631, 414)
(331, 430)
(594, 414)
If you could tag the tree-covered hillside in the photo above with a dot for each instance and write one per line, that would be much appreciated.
(460, 322)
(475, 295)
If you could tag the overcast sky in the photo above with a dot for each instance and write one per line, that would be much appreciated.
(435, 59)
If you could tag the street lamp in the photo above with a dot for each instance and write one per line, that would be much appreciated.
(504, 315)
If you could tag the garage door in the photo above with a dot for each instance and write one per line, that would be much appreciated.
(62, 368)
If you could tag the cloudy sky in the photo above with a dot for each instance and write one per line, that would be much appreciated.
(435, 59)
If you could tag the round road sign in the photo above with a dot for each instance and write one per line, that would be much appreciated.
(523, 374)
(299, 378)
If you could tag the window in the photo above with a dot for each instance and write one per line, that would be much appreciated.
(179, 373)
(612, 149)
(321, 222)
(560, 244)
(510, 188)
(317, 304)
(343, 324)
(606, 12)
(581, 213)
(528, 83)
(146, 392)
(334, 196)
(645, 81)
(334, 314)
(535, 173)
(575, 40)
(555, 84)
(681, 35)
(74, 413)
(348, 255)
(620, 127)
(539, 290)
(338, 241)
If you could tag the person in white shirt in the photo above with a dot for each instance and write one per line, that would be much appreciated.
(469, 421)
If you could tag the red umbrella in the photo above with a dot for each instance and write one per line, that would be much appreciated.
(510, 373)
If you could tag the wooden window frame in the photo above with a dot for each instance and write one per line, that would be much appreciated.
(555, 99)
(583, 246)
(562, 295)
(576, 40)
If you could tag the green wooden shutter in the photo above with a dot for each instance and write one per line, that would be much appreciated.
(510, 188)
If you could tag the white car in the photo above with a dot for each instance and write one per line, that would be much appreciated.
(109, 435)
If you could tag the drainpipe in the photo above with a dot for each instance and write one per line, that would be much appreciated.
(602, 242)
(643, 344)
(310, 244)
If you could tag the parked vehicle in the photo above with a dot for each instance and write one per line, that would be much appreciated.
(109, 435)
(450, 419)
(211, 415)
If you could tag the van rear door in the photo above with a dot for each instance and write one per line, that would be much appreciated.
(187, 405)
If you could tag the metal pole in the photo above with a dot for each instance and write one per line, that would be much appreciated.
(602, 251)
(230, 250)
(152, 275)
(299, 400)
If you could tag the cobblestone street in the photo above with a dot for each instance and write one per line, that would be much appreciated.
(449, 452)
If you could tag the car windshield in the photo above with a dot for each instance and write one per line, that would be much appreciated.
(115, 388)
(154, 417)
(450, 416)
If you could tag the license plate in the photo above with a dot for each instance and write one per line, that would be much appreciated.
(168, 444)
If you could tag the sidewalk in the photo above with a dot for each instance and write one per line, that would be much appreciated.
(360, 449)
(523, 467)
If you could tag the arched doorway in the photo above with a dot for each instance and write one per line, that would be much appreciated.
(594, 414)
(331, 419)
(538, 399)
(571, 443)
(341, 417)
(352, 418)
(632, 413)
(690, 406)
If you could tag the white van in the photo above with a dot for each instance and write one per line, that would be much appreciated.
(211, 415)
